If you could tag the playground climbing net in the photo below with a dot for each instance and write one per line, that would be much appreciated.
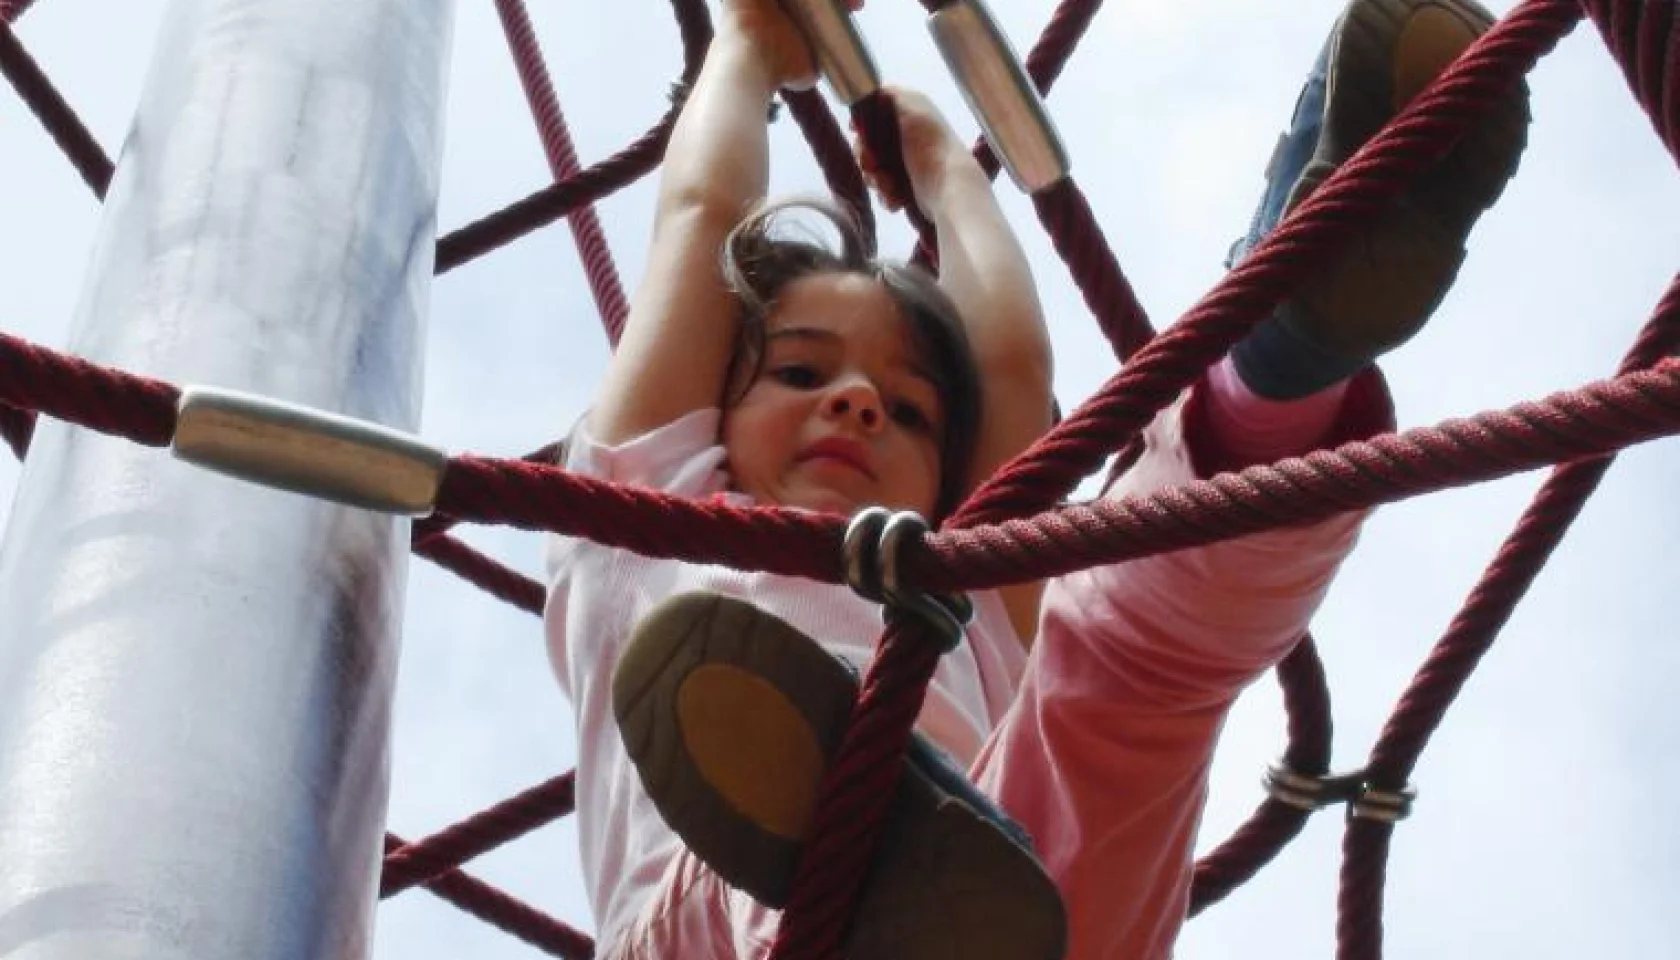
(1017, 527)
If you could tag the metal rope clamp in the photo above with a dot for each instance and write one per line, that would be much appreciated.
(1000, 94)
(874, 546)
(308, 451)
(841, 53)
(1312, 793)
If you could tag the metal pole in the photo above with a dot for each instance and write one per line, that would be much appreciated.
(196, 673)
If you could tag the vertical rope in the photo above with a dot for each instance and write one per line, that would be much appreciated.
(834, 156)
(1644, 37)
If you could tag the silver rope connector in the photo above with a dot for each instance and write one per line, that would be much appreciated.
(1388, 806)
(874, 546)
(1000, 94)
(1312, 793)
(307, 451)
(842, 55)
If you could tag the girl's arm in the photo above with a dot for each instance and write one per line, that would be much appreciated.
(985, 271)
(677, 342)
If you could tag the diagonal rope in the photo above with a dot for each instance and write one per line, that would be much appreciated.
(591, 240)
(54, 112)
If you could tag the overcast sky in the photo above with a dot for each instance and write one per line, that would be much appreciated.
(1543, 828)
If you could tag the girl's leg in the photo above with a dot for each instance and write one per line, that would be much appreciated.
(731, 717)
(1104, 757)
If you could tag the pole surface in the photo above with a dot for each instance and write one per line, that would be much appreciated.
(196, 673)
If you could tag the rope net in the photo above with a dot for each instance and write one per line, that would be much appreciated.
(1017, 527)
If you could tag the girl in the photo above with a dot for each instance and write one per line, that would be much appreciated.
(769, 368)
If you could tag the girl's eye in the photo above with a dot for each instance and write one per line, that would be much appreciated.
(911, 417)
(796, 375)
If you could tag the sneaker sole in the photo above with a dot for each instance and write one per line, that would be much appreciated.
(731, 717)
(1381, 289)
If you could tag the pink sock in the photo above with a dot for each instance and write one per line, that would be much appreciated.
(1253, 429)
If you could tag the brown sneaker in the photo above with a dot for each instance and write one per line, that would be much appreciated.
(1377, 292)
(732, 716)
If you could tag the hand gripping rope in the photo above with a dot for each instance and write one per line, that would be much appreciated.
(983, 546)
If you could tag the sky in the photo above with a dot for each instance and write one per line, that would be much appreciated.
(1537, 831)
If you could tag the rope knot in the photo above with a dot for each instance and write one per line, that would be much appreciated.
(873, 552)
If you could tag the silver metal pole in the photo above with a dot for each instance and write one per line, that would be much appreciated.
(196, 673)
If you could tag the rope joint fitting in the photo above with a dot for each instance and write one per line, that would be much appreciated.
(874, 550)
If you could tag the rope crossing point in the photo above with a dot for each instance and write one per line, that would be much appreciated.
(1011, 529)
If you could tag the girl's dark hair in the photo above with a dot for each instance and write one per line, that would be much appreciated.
(759, 261)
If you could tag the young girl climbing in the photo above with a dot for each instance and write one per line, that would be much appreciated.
(766, 365)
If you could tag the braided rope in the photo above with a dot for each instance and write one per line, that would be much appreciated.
(1306, 693)
(424, 860)
(1590, 422)
(17, 428)
(1468, 638)
(590, 184)
(506, 913)
(1642, 38)
(11, 10)
(1373, 177)
(591, 240)
(50, 107)
(832, 865)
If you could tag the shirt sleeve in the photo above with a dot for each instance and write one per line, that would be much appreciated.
(682, 457)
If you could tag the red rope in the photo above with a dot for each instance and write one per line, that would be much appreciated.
(1645, 40)
(590, 184)
(834, 156)
(1307, 703)
(1380, 171)
(506, 913)
(1593, 420)
(70, 388)
(1584, 424)
(17, 427)
(423, 860)
(50, 107)
(557, 144)
(493, 577)
(1468, 638)
(11, 10)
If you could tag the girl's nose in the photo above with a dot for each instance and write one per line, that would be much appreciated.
(857, 399)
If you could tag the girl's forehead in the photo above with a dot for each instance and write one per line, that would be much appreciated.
(849, 309)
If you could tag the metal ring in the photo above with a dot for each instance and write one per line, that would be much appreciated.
(948, 614)
(1309, 792)
(1386, 806)
(874, 541)
(862, 550)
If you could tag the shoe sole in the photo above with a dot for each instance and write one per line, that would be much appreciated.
(732, 716)
(1386, 283)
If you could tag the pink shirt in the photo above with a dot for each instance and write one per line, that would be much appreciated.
(1099, 744)
(597, 595)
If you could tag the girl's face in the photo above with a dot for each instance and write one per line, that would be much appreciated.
(843, 413)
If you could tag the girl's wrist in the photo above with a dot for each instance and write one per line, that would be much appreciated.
(764, 57)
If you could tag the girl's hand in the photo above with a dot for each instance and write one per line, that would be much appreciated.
(928, 143)
(776, 38)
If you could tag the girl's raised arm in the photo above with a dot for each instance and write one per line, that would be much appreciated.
(984, 270)
(677, 342)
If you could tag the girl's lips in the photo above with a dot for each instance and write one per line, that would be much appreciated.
(848, 452)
